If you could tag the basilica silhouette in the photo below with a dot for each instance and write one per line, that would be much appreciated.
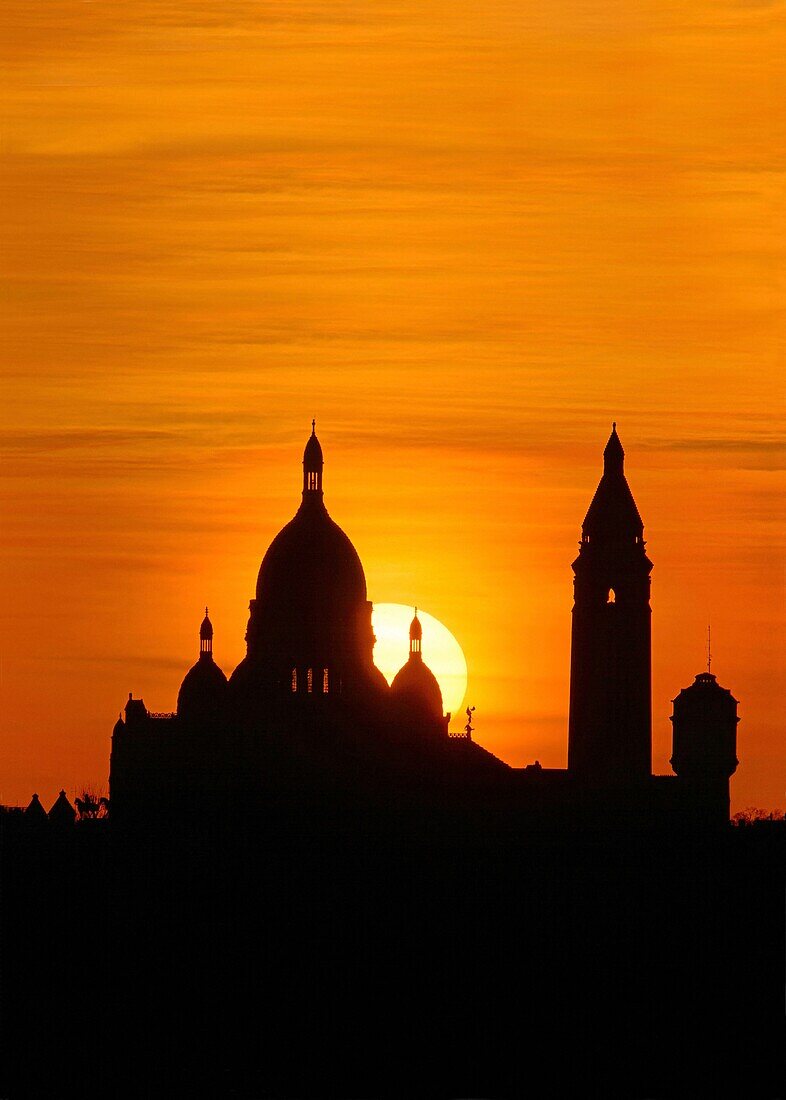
(308, 885)
(306, 717)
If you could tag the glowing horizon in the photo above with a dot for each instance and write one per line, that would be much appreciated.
(466, 239)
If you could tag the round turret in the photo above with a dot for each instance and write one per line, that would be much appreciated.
(704, 731)
(415, 684)
(202, 694)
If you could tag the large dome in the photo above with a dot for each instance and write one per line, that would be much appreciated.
(309, 628)
(311, 562)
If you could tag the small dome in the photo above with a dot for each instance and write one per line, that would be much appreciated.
(415, 629)
(206, 629)
(203, 691)
(705, 691)
(417, 685)
(119, 725)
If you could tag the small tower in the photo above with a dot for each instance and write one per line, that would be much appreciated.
(704, 745)
(313, 464)
(610, 725)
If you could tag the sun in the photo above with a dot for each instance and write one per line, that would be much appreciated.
(441, 651)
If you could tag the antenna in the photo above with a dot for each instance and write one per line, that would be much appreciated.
(709, 648)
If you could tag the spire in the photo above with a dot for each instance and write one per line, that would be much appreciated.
(206, 637)
(613, 517)
(312, 467)
(415, 637)
(613, 454)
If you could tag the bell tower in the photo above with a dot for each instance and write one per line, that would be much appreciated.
(610, 724)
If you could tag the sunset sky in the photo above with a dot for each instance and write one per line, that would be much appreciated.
(465, 237)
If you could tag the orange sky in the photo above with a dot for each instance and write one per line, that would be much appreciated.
(464, 236)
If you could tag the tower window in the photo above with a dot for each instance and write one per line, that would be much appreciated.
(310, 680)
(611, 598)
(325, 681)
(294, 679)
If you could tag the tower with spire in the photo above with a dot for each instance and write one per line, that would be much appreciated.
(610, 724)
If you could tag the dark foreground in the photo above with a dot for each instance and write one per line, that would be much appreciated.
(358, 958)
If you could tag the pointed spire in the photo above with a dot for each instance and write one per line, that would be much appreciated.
(612, 517)
(613, 454)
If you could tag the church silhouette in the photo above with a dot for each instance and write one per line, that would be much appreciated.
(307, 886)
(306, 717)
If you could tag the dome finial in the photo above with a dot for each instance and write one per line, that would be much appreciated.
(314, 426)
(415, 636)
(206, 637)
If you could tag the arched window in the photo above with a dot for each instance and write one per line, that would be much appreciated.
(325, 681)
(294, 679)
(611, 598)
(310, 680)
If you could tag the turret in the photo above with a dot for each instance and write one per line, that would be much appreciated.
(704, 745)
(202, 695)
(415, 685)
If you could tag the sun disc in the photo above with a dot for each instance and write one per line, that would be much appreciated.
(441, 652)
